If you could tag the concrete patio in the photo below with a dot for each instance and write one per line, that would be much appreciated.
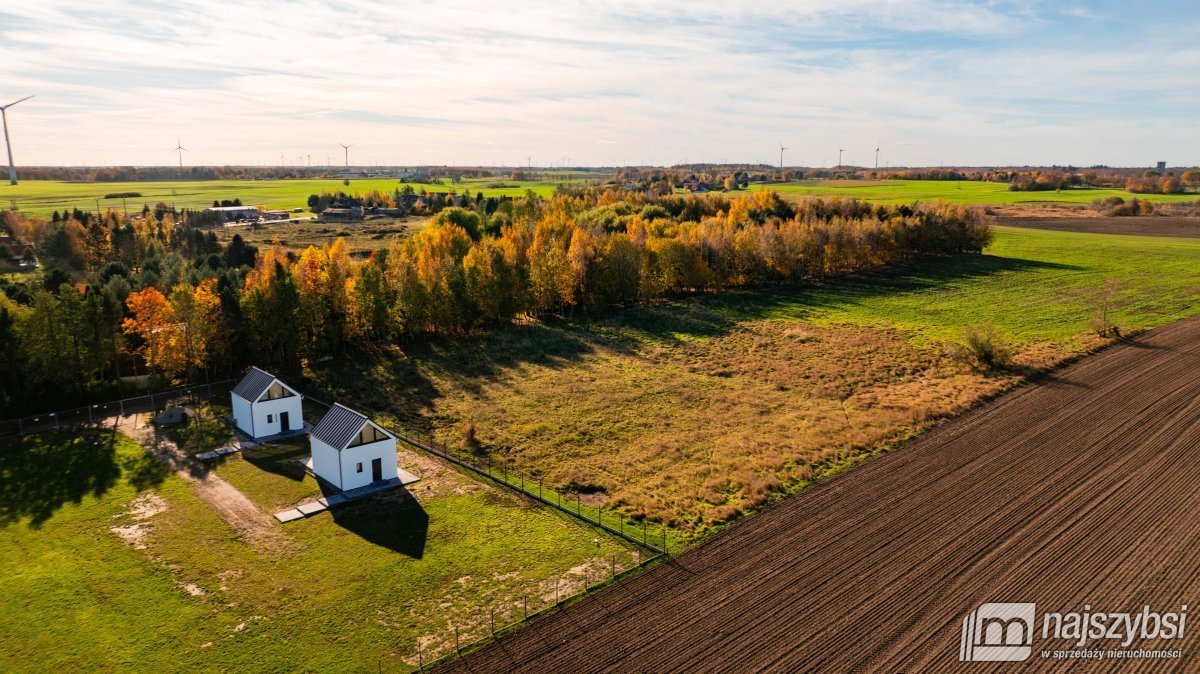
(315, 506)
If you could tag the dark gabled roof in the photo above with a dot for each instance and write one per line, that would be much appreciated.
(253, 384)
(338, 427)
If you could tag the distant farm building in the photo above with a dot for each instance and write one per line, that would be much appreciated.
(231, 213)
(349, 450)
(276, 215)
(263, 405)
(18, 252)
(340, 215)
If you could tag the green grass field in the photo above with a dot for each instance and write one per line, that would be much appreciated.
(44, 196)
(698, 410)
(176, 590)
(966, 192)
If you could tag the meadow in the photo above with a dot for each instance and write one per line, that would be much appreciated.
(45, 196)
(699, 410)
(964, 191)
(113, 564)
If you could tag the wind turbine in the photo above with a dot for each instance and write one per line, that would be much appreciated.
(179, 149)
(877, 156)
(347, 149)
(12, 169)
(781, 149)
(840, 151)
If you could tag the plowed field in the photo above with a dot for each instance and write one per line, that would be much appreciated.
(1139, 226)
(1081, 489)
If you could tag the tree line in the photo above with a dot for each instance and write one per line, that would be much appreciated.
(156, 301)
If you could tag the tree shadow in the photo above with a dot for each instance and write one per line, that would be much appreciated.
(145, 471)
(392, 520)
(409, 371)
(40, 473)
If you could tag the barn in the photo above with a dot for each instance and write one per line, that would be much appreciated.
(349, 450)
(263, 405)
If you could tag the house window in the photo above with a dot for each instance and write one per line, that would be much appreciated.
(359, 470)
(368, 435)
(275, 392)
(270, 418)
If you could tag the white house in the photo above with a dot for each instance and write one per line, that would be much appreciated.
(263, 405)
(349, 450)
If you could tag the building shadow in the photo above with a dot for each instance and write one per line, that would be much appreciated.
(280, 458)
(393, 520)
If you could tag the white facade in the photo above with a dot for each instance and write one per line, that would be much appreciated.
(268, 416)
(349, 450)
(273, 405)
(354, 466)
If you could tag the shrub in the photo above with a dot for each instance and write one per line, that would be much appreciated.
(984, 348)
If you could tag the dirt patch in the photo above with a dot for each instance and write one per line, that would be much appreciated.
(1077, 490)
(141, 509)
(1135, 225)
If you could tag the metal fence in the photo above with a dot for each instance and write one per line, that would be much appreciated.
(90, 414)
(637, 532)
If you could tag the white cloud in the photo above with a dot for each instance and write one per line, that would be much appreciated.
(475, 82)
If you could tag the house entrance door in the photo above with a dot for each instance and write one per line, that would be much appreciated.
(284, 427)
(376, 470)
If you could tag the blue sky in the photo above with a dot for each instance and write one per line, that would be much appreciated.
(617, 82)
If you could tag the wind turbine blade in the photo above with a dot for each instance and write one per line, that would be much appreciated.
(15, 102)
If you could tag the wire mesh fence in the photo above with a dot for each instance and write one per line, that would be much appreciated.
(465, 631)
(91, 414)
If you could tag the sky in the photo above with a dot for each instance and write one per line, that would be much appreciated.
(615, 82)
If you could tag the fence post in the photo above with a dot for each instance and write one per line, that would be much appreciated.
(664, 532)
(577, 503)
(644, 531)
(526, 599)
(614, 565)
(89, 409)
(556, 591)
(152, 401)
(456, 649)
(420, 658)
(20, 427)
(55, 415)
(122, 403)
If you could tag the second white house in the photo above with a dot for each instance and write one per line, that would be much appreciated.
(263, 405)
(349, 450)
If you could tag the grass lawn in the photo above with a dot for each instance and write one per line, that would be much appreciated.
(113, 564)
(45, 196)
(965, 191)
(698, 410)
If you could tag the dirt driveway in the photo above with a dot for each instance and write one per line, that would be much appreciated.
(231, 505)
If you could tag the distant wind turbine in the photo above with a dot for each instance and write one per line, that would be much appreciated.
(781, 149)
(840, 151)
(876, 156)
(12, 169)
(347, 149)
(180, 149)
